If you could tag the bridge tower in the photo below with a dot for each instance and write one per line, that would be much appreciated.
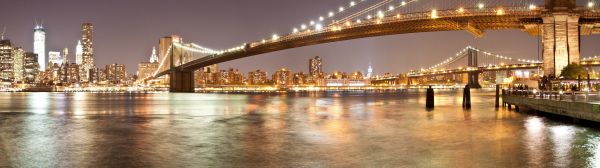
(179, 80)
(560, 36)
(473, 77)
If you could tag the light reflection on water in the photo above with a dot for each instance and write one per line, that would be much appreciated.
(282, 130)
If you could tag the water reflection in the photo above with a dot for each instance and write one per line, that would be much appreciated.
(282, 130)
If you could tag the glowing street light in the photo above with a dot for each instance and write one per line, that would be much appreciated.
(532, 7)
(352, 3)
(318, 27)
(434, 14)
(500, 11)
(380, 14)
(403, 3)
(480, 5)
(461, 10)
(275, 37)
(303, 26)
(591, 4)
(295, 30)
(331, 14)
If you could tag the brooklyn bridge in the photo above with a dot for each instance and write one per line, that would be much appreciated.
(559, 23)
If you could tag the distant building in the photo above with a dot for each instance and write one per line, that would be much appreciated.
(257, 77)
(207, 75)
(283, 77)
(6, 61)
(316, 67)
(39, 45)
(300, 78)
(115, 73)
(19, 65)
(54, 58)
(31, 69)
(153, 57)
(79, 53)
(73, 73)
(147, 69)
(370, 72)
(88, 51)
(230, 77)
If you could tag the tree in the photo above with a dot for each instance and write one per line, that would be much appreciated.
(572, 71)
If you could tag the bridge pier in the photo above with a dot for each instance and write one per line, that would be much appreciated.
(560, 36)
(181, 81)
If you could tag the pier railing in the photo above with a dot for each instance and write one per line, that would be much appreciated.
(572, 96)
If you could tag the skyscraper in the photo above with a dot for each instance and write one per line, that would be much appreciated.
(370, 71)
(65, 56)
(31, 68)
(54, 58)
(315, 67)
(88, 51)
(153, 57)
(6, 61)
(39, 45)
(79, 53)
(19, 64)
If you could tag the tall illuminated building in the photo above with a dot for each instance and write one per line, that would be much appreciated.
(39, 45)
(370, 71)
(315, 67)
(54, 58)
(154, 57)
(19, 65)
(79, 53)
(88, 50)
(6, 61)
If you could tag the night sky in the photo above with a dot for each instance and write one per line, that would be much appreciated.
(126, 30)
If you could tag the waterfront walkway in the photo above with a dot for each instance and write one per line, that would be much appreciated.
(579, 105)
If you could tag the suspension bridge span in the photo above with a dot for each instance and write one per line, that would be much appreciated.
(559, 23)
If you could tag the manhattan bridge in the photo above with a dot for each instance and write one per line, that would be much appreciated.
(559, 24)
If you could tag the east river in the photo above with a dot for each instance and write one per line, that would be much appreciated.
(350, 129)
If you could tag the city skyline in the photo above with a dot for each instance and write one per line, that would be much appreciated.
(140, 33)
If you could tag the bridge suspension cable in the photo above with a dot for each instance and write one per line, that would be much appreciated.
(463, 53)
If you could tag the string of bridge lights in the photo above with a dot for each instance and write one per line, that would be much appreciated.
(164, 59)
(461, 54)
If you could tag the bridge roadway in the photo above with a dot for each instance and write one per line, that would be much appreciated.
(450, 20)
(474, 21)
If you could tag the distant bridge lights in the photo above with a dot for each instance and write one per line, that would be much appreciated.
(532, 7)
(500, 11)
(461, 10)
(480, 5)
(275, 37)
(318, 27)
(591, 4)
